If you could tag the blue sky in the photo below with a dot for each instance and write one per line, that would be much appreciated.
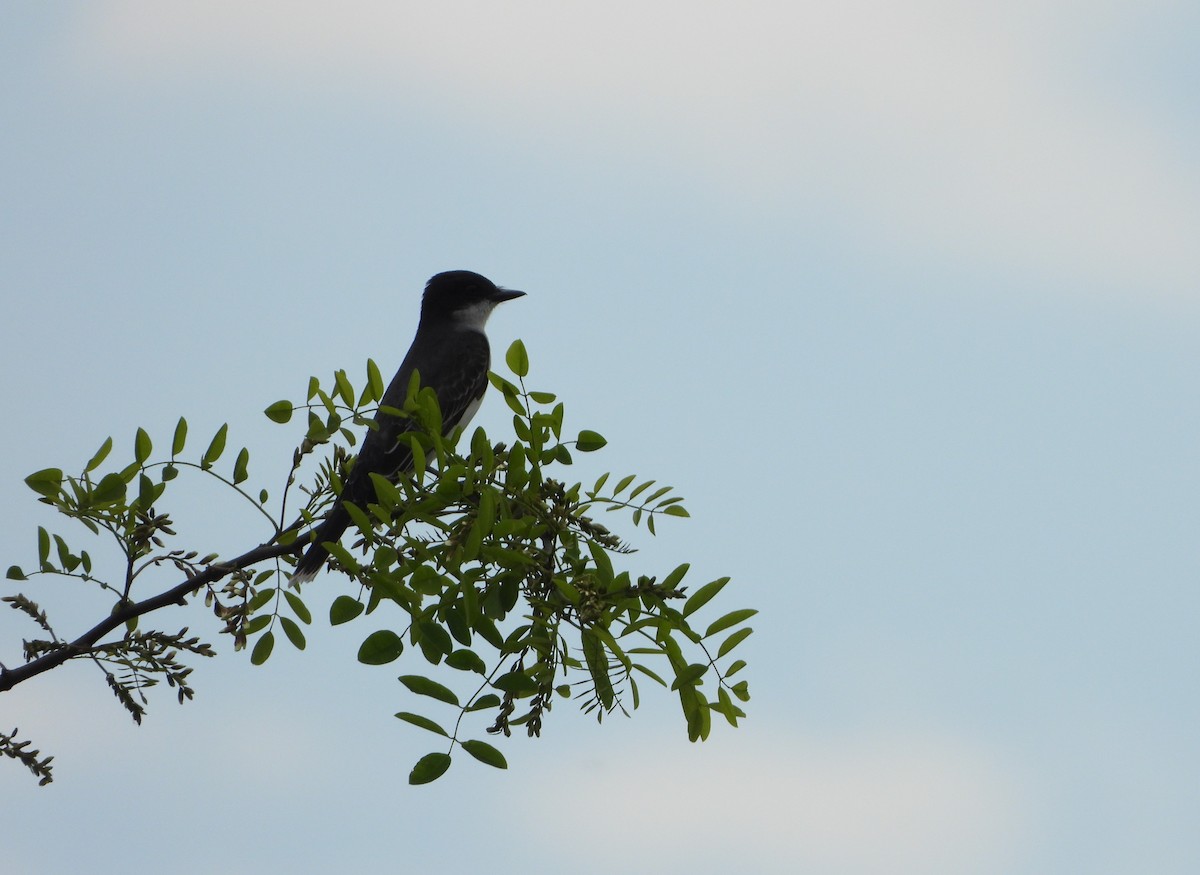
(903, 298)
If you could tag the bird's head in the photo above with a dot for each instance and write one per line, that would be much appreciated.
(463, 296)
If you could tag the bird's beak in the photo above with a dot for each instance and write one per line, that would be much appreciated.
(502, 295)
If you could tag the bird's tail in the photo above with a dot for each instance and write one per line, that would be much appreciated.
(314, 557)
(310, 563)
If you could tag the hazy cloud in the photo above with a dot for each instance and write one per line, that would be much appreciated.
(858, 804)
(935, 129)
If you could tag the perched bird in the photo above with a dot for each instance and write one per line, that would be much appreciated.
(452, 356)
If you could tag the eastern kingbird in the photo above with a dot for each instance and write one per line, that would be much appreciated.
(452, 356)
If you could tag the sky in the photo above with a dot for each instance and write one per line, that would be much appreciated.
(904, 299)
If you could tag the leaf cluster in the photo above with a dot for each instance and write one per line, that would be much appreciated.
(10, 746)
(485, 567)
(503, 574)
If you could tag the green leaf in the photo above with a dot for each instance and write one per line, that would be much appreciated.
(429, 768)
(513, 400)
(724, 705)
(262, 648)
(426, 581)
(676, 510)
(420, 462)
(64, 553)
(15, 573)
(434, 641)
(567, 589)
(700, 721)
(148, 492)
(485, 753)
(597, 663)
(467, 660)
(622, 483)
(517, 359)
(650, 674)
(543, 397)
(604, 566)
(730, 619)
(215, 448)
(142, 446)
(48, 481)
(489, 700)
(472, 543)
(606, 638)
(239, 467)
(169, 472)
(385, 491)
(456, 618)
(260, 598)
(657, 493)
(180, 437)
(689, 675)
(101, 455)
(374, 380)
(423, 722)
(298, 607)
(380, 648)
(689, 701)
(589, 441)
(502, 385)
(317, 432)
(130, 471)
(486, 518)
(487, 631)
(363, 523)
(640, 489)
(280, 411)
(293, 632)
(344, 609)
(733, 641)
(516, 683)
(674, 653)
(344, 389)
(423, 686)
(742, 690)
(110, 490)
(703, 596)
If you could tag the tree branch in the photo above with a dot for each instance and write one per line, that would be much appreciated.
(9, 678)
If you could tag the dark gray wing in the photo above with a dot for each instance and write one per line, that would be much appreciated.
(454, 362)
(457, 372)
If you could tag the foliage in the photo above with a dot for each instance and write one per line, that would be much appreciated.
(483, 567)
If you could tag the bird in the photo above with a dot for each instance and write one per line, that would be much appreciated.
(451, 354)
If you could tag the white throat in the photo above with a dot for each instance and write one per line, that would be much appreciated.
(475, 316)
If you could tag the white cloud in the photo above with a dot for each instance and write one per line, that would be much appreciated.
(789, 803)
(936, 128)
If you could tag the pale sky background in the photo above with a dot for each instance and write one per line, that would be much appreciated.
(904, 297)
